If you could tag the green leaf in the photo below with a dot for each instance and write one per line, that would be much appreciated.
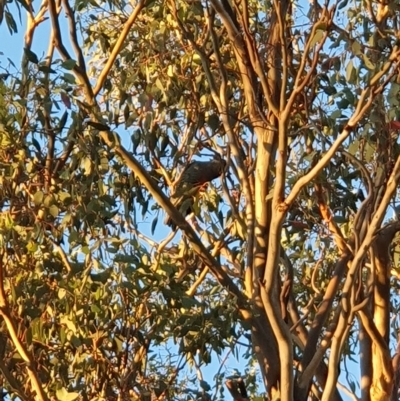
(368, 63)
(343, 104)
(63, 335)
(104, 164)
(356, 48)
(188, 302)
(94, 308)
(54, 211)
(154, 225)
(196, 59)
(170, 71)
(319, 34)
(336, 114)
(68, 322)
(69, 78)
(64, 197)
(159, 85)
(25, 5)
(87, 166)
(204, 385)
(68, 64)
(38, 198)
(46, 69)
(369, 152)
(213, 122)
(63, 121)
(29, 336)
(31, 56)
(350, 72)
(353, 148)
(63, 395)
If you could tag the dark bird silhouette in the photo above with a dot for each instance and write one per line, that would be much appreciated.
(193, 179)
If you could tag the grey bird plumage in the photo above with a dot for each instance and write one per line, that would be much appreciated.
(194, 176)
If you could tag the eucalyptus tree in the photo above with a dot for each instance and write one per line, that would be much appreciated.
(291, 256)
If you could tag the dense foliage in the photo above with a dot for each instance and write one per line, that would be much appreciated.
(288, 264)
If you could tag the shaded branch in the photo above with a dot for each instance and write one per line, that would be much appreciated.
(254, 57)
(72, 32)
(280, 15)
(215, 252)
(283, 338)
(79, 71)
(362, 217)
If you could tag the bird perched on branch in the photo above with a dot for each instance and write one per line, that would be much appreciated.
(193, 179)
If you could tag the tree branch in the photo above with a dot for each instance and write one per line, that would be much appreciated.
(113, 142)
(318, 323)
(79, 71)
(118, 46)
(72, 32)
(20, 347)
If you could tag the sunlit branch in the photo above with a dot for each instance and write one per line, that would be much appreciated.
(16, 387)
(19, 345)
(113, 142)
(360, 216)
(33, 21)
(343, 325)
(247, 75)
(385, 377)
(372, 230)
(326, 214)
(259, 70)
(283, 43)
(271, 304)
(216, 250)
(300, 83)
(237, 151)
(283, 338)
(355, 118)
(63, 255)
(117, 47)
(309, 363)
